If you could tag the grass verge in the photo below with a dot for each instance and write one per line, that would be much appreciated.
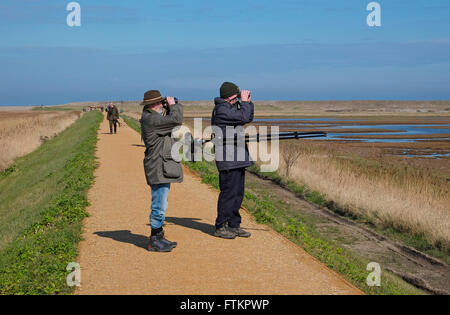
(133, 123)
(42, 206)
(303, 232)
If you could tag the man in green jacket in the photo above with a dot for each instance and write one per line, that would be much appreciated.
(159, 117)
(113, 117)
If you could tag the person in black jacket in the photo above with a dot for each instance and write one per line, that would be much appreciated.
(230, 114)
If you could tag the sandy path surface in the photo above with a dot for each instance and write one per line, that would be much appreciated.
(114, 260)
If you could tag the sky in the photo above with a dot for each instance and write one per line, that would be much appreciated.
(280, 50)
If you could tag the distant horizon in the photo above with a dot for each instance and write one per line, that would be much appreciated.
(268, 100)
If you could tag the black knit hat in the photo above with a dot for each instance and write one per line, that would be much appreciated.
(228, 89)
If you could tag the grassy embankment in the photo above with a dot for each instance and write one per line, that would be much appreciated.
(42, 203)
(302, 231)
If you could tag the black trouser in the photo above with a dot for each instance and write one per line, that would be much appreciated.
(111, 124)
(232, 185)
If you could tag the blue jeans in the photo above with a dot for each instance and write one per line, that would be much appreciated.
(160, 202)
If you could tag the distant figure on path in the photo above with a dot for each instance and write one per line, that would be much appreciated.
(159, 117)
(229, 112)
(113, 117)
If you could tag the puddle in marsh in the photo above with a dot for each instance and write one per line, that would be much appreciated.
(438, 156)
(424, 153)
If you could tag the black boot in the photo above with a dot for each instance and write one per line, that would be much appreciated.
(158, 243)
(173, 244)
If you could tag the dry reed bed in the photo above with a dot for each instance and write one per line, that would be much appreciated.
(23, 132)
(407, 198)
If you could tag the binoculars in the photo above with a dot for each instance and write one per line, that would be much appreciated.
(239, 95)
(166, 104)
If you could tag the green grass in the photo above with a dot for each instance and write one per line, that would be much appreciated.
(133, 123)
(42, 203)
(302, 231)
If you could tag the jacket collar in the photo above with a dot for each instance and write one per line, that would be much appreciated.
(221, 101)
(152, 111)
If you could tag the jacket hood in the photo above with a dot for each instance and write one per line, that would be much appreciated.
(219, 101)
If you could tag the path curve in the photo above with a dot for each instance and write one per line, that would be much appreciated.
(114, 260)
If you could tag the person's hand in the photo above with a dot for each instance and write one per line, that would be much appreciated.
(246, 96)
(170, 100)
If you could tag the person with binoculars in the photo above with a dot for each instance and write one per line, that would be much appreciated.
(229, 112)
(159, 116)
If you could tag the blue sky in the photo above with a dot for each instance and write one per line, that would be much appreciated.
(287, 50)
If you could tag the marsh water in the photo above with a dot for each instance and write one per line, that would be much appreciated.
(420, 132)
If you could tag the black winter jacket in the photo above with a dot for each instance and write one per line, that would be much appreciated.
(225, 114)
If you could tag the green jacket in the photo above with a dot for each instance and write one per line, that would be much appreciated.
(159, 166)
(113, 113)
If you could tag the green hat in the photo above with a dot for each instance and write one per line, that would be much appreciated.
(228, 89)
